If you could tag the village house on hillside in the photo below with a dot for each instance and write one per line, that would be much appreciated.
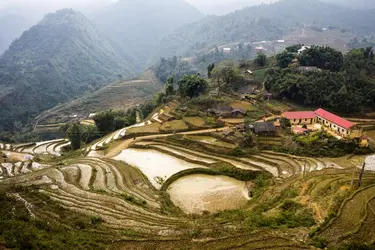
(333, 123)
(300, 118)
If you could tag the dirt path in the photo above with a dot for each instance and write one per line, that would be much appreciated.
(126, 143)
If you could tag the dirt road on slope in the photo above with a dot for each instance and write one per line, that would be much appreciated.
(126, 143)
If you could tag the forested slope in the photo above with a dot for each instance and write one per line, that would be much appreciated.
(60, 58)
(264, 22)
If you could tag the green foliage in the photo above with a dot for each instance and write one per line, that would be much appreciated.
(169, 87)
(321, 144)
(285, 123)
(349, 90)
(110, 121)
(284, 59)
(294, 48)
(226, 71)
(261, 60)
(357, 246)
(19, 231)
(325, 58)
(173, 66)
(74, 135)
(210, 68)
(105, 121)
(96, 220)
(248, 139)
(355, 43)
(320, 242)
(191, 86)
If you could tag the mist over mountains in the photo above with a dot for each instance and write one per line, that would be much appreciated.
(138, 25)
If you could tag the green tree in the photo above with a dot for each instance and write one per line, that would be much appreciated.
(322, 57)
(191, 86)
(225, 72)
(160, 98)
(285, 123)
(169, 87)
(294, 48)
(261, 60)
(248, 139)
(284, 59)
(74, 135)
(105, 121)
(210, 68)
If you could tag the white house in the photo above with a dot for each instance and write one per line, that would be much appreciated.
(227, 50)
(303, 49)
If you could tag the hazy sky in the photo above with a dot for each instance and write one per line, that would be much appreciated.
(43, 6)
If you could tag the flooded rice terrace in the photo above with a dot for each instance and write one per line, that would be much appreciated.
(195, 194)
(157, 166)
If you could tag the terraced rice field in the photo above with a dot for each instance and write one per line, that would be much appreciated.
(127, 193)
(195, 121)
(210, 140)
(157, 166)
(53, 147)
(195, 194)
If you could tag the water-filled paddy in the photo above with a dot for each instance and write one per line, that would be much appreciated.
(195, 194)
(157, 166)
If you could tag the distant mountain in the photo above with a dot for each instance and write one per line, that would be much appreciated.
(56, 60)
(11, 28)
(358, 4)
(222, 7)
(138, 25)
(264, 22)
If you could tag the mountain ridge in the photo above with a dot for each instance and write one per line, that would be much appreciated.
(60, 58)
(263, 22)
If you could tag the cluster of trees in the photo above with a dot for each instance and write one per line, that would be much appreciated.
(344, 84)
(79, 134)
(191, 86)
(105, 122)
(173, 66)
(325, 58)
(240, 52)
(261, 60)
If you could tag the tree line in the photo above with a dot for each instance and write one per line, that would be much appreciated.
(343, 83)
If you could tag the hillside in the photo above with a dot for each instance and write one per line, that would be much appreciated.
(58, 59)
(359, 4)
(117, 96)
(13, 28)
(264, 22)
(138, 25)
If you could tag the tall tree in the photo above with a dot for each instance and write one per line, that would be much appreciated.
(284, 59)
(191, 86)
(105, 121)
(210, 68)
(169, 87)
(261, 60)
(74, 135)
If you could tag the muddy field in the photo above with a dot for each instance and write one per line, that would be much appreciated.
(195, 194)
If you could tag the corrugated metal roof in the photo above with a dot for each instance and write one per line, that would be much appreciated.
(334, 118)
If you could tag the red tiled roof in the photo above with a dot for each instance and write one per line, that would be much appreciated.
(334, 119)
(299, 115)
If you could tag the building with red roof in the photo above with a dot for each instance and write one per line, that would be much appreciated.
(338, 124)
(334, 123)
(300, 117)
